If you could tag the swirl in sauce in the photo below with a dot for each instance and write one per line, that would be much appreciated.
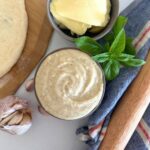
(69, 84)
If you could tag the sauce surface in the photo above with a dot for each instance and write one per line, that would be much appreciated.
(69, 84)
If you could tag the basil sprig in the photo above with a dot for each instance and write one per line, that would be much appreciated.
(116, 50)
(88, 45)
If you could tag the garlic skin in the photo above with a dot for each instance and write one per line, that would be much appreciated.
(42, 111)
(17, 129)
(29, 85)
(10, 104)
(15, 116)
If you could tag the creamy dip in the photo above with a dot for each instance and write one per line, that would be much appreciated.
(69, 84)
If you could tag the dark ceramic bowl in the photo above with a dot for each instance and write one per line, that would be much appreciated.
(103, 78)
(66, 33)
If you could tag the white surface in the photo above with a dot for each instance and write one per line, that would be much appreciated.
(47, 133)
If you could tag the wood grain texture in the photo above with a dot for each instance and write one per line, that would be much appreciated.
(38, 36)
(129, 112)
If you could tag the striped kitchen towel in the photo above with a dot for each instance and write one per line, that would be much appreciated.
(138, 27)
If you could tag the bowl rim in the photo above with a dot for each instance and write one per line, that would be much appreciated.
(105, 31)
(38, 99)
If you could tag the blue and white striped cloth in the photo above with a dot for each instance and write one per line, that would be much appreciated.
(138, 27)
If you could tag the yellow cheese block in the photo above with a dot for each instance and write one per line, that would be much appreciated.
(92, 12)
(75, 26)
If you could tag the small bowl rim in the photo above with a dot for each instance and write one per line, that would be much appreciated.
(105, 31)
(38, 99)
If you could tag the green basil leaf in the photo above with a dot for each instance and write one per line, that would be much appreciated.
(120, 23)
(101, 58)
(118, 44)
(134, 62)
(111, 69)
(109, 38)
(124, 57)
(130, 49)
(106, 47)
(88, 45)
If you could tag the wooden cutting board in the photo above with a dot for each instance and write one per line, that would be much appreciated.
(38, 36)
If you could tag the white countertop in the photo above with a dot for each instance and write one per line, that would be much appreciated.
(47, 133)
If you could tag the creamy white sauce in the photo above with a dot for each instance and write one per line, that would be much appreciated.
(69, 84)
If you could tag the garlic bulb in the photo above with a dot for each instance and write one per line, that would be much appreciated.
(15, 116)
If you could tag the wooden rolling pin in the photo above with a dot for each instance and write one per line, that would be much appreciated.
(129, 112)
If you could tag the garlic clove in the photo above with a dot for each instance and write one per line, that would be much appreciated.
(15, 116)
(29, 85)
(27, 110)
(16, 119)
(7, 119)
(16, 126)
(42, 111)
(10, 104)
(26, 119)
(20, 105)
